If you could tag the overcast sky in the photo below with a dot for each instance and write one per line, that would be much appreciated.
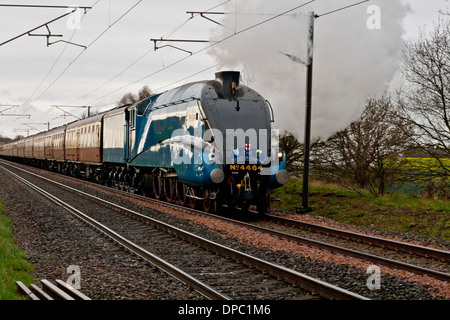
(120, 57)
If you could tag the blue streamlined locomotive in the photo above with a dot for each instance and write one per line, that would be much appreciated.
(206, 143)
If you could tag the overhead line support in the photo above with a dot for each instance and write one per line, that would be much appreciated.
(46, 25)
(174, 40)
(203, 13)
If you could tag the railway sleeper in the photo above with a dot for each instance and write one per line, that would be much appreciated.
(50, 291)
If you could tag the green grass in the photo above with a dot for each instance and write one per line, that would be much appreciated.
(13, 264)
(398, 212)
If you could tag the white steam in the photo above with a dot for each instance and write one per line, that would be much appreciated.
(351, 61)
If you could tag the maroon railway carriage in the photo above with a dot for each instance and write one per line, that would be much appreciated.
(39, 146)
(83, 150)
(54, 144)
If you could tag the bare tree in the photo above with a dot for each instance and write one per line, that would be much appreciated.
(367, 152)
(127, 98)
(88, 114)
(5, 139)
(145, 92)
(294, 153)
(130, 98)
(424, 99)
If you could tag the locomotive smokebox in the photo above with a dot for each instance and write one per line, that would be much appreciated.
(229, 81)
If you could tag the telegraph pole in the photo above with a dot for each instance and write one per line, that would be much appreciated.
(307, 143)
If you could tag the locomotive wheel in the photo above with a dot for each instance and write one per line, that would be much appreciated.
(157, 187)
(181, 193)
(209, 205)
(169, 189)
(192, 201)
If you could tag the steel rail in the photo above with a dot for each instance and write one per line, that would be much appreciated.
(314, 243)
(372, 240)
(326, 290)
(405, 247)
(174, 271)
(327, 246)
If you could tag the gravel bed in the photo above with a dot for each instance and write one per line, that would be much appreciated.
(424, 262)
(237, 280)
(345, 272)
(54, 240)
(371, 231)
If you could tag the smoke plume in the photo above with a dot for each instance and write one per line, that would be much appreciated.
(351, 61)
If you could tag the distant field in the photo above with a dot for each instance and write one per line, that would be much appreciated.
(415, 174)
(426, 163)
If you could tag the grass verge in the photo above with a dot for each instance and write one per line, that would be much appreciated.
(398, 212)
(13, 264)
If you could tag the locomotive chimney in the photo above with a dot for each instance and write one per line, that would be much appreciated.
(229, 81)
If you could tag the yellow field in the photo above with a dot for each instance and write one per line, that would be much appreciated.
(426, 163)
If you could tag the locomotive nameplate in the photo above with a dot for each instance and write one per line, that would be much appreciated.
(243, 167)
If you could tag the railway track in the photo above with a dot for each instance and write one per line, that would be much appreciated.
(397, 246)
(224, 273)
(141, 252)
(50, 291)
(358, 237)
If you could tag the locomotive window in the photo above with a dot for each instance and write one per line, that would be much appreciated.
(132, 118)
(142, 106)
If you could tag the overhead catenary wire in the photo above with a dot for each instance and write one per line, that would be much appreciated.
(342, 8)
(176, 62)
(158, 90)
(58, 58)
(42, 6)
(146, 53)
(228, 37)
(54, 64)
(38, 27)
(87, 47)
(204, 49)
(75, 59)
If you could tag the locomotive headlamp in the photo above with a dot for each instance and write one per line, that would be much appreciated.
(280, 154)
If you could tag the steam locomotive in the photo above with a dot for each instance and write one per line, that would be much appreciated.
(204, 144)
